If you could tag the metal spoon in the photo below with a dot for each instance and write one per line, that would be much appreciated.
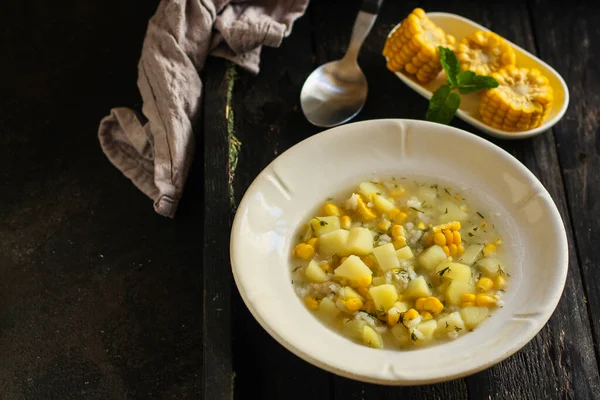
(335, 92)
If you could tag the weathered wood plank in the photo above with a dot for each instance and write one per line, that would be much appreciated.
(268, 120)
(570, 41)
(216, 338)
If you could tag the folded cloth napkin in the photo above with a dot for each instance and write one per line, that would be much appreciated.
(155, 152)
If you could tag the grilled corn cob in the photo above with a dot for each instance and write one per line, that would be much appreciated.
(522, 100)
(484, 53)
(413, 46)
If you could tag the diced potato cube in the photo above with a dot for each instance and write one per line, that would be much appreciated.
(328, 309)
(431, 257)
(451, 212)
(382, 204)
(360, 241)
(456, 289)
(367, 188)
(323, 225)
(428, 328)
(454, 271)
(386, 257)
(354, 329)
(401, 306)
(473, 316)
(353, 268)
(384, 296)
(449, 323)
(490, 266)
(417, 288)
(334, 243)
(471, 254)
(378, 280)
(372, 338)
(314, 273)
(401, 333)
(405, 253)
(428, 193)
(349, 293)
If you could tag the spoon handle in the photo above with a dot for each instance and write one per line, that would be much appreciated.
(362, 26)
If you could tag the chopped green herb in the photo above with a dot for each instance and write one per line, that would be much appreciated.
(471, 330)
(321, 222)
(475, 229)
(295, 269)
(479, 276)
(478, 213)
(447, 325)
(413, 337)
(446, 212)
(457, 329)
(500, 270)
(442, 272)
(378, 193)
(329, 198)
(470, 234)
(429, 284)
(417, 210)
(448, 192)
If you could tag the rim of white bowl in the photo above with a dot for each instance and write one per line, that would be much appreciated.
(540, 321)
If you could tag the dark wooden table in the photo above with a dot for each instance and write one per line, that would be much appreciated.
(102, 299)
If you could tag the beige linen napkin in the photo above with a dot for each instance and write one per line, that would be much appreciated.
(155, 150)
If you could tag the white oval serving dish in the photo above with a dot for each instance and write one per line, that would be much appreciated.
(285, 192)
(460, 27)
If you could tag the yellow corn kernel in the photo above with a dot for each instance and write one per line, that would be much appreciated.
(332, 210)
(433, 305)
(446, 250)
(455, 226)
(484, 53)
(363, 291)
(304, 251)
(421, 226)
(313, 242)
(456, 238)
(468, 304)
(392, 317)
(438, 229)
(453, 249)
(364, 281)
(426, 315)
(467, 297)
(448, 236)
(412, 47)
(397, 231)
(400, 217)
(369, 261)
(489, 250)
(326, 268)
(346, 222)
(522, 100)
(392, 214)
(342, 260)
(484, 284)
(460, 250)
(500, 283)
(439, 239)
(399, 242)
(354, 304)
(383, 225)
(410, 314)
(311, 302)
(365, 212)
(484, 300)
(420, 302)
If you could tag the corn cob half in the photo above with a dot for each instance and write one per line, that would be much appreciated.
(413, 46)
(484, 53)
(522, 100)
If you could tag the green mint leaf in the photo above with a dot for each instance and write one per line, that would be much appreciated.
(451, 65)
(443, 105)
(469, 82)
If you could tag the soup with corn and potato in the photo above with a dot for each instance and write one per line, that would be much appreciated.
(400, 263)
